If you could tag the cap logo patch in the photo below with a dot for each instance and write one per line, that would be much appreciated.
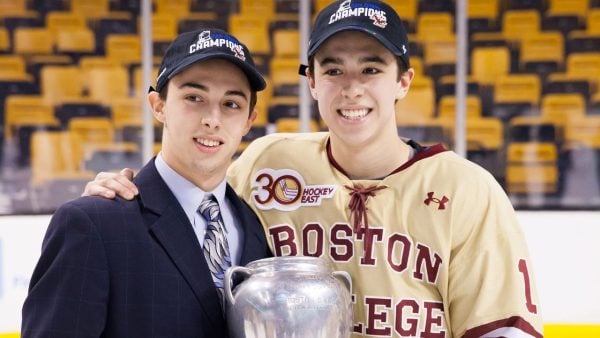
(205, 40)
(349, 9)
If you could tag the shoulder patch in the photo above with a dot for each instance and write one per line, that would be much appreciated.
(286, 190)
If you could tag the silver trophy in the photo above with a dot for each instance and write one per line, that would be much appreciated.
(288, 297)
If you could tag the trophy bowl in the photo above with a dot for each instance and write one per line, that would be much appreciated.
(288, 297)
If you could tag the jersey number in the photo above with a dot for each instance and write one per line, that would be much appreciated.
(523, 269)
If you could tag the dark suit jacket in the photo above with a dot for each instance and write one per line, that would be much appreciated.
(116, 268)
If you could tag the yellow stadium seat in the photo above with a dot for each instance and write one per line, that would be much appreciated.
(27, 110)
(125, 48)
(60, 84)
(253, 31)
(4, 40)
(107, 84)
(164, 26)
(90, 132)
(440, 51)
(13, 8)
(483, 9)
(90, 9)
(447, 106)
(432, 26)
(419, 101)
(583, 131)
(407, 9)
(484, 134)
(585, 66)
(61, 21)
(33, 40)
(592, 26)
(568, 7)
(54, 155)
(593, 21)
(515, 88)
(127, 112)
(257, 8)
(561, 108)
(79, 40)
(179, 8)
(12, 67)
(517, 24)
(286, 43)
(542, 47)
(87, 63)
(488, 63)
(531, 167)
(284, 71)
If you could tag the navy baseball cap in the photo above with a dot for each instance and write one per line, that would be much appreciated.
(204, 44)
(373, 17)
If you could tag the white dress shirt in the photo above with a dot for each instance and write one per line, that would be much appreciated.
(190, 196)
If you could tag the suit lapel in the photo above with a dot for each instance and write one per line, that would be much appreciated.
(173, 231)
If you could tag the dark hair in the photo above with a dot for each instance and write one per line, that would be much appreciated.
(402, 68)
(164, 91)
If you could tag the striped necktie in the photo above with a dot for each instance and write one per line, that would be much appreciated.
(216, 249)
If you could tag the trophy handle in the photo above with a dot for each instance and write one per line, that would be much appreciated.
(227, 283)
(345, 278)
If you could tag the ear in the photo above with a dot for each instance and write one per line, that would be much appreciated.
(157, 105)
(404, 83)
(311, 83)
(250, 121)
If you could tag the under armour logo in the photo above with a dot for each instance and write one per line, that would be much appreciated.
(441, 202)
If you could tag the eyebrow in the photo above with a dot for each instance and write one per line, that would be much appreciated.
(366, 59)
(206, 89)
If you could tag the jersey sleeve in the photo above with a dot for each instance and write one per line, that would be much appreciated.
(491, 285)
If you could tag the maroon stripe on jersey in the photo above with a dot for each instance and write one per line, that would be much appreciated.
(427, 152)
(516, 322)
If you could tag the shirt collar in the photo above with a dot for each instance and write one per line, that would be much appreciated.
(187, 193)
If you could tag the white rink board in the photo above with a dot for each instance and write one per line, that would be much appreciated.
(565, 249)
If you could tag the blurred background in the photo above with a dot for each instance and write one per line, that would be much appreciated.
(73, 101)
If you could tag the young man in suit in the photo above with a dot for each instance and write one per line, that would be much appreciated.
(153, 266)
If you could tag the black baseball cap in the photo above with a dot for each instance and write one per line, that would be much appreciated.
(373, 17)
(204, 44)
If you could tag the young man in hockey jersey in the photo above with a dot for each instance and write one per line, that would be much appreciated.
(430, 239)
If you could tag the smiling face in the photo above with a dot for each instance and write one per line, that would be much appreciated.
(204, 116)
(356, 84)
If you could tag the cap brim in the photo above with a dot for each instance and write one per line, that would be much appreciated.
(363, 29)
(257, 82)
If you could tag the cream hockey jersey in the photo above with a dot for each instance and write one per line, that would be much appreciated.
(440, 253)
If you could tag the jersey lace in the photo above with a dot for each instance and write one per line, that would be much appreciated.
(358, 209)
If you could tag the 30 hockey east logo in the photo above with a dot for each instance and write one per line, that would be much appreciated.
(285, 190)
(206, 40)
(349, 9)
